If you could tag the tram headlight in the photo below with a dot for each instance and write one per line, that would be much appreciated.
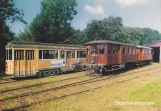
(37, 70)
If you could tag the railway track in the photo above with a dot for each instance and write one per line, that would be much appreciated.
(68, 85)
(71, 94)
(37, 85)
(5, 81)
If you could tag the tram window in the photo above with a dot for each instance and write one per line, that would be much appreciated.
(68, 54)
(19, 54)
(73, 54)
(9, 54)
(40, 54)
(30, 54)
(50, 54)
(101, 49)
(62, 54)
(81, 54)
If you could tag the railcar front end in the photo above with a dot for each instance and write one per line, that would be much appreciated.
(104, 55)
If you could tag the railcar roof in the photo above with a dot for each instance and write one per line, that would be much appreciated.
(113, 42)
(38, 44)
(139, 46)
(108, 41)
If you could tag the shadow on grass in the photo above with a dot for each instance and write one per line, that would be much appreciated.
(35, 77)
(2, 75)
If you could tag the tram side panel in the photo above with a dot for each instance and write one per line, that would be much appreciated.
(26, 62)
(66, 62)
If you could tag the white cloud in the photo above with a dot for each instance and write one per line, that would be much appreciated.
(131, 2)
(97, 9)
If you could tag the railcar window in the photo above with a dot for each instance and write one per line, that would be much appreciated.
(116, 50)
(123, 50)
(150, 51)
(81, 54)
(133, 51)
(40, 54)
(95, 49)
(129, 51)
(19, 54)
(89, 51)
(86, 51)
(145, 51)
(110, 49)
(102, 49)
(50, 54)
(62, 54)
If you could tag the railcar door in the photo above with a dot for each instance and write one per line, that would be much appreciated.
(138, 51)
(124, 54)
(113, 54)
(29, 62)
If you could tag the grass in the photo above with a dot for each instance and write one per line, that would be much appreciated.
(104, 99)
(145, 88)
(149, 93)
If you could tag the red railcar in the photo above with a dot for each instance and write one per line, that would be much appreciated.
(105, 55)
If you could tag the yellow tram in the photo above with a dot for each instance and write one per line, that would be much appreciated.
(41, 59)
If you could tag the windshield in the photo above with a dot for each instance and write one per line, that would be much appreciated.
(93, 49)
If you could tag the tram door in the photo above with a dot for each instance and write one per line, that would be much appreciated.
(69, 60)
(18, 62)
(29, 62)
(68, 56)
(24, 63)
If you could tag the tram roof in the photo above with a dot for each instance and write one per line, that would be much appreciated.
(38, 44)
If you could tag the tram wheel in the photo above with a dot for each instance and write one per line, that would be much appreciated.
(40, 74)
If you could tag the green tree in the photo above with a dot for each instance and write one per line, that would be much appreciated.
(150, 36)
(25, 36)
(53, 22)
(8, 12)
(107, 29)
(131, 35)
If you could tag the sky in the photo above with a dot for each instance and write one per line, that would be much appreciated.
(135, 13)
